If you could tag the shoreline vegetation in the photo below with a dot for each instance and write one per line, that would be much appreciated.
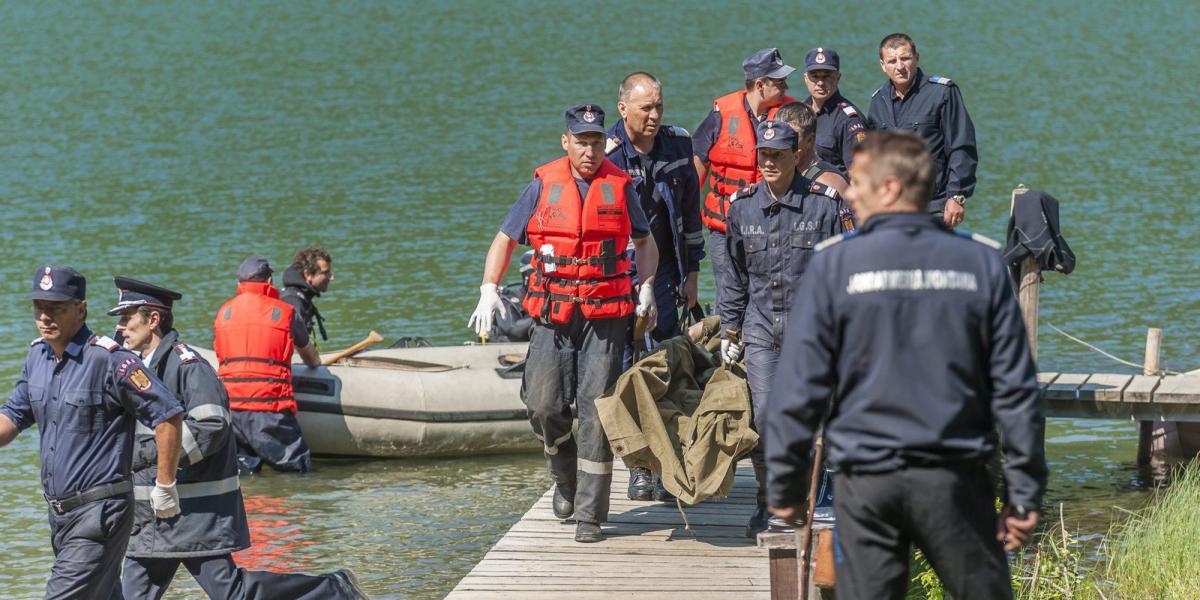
(1153, 552)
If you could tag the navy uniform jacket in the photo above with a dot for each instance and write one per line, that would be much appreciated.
(770, 243)
(674, 185)
(212, 520)
(85, 407)
(840, 126)
(915, 334)
(933, 109)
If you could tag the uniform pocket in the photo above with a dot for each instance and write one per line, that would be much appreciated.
(802, 249)
(756, 253)
(825, 141)
(83, 411)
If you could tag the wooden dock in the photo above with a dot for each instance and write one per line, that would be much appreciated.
(647, 553)
(1109, 396)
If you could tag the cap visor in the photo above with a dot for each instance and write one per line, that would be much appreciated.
(118, 309)
(781, 72)
(584, 128)
(51, 296)
(823, 67)
(778, 145)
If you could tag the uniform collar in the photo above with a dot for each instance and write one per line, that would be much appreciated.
(830, 105)
(78, 343)
(793, 197)
(895, 220)
(916, 86)
(618, 132)
(262, 288)
(163, 349)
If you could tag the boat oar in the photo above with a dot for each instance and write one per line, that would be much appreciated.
(372, 338)
(806, 536)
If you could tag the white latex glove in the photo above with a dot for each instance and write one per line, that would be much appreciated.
(646, 307)
(731, 352)
(165, 500)
(484, 315)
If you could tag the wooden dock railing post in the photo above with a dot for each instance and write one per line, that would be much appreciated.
(1150, 367)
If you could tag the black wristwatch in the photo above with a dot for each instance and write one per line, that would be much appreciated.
(960, 199)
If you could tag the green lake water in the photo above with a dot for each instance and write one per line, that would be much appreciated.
(167, 141)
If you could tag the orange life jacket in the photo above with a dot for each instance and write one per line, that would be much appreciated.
(579, 246)
(252, 335)
(732, 161)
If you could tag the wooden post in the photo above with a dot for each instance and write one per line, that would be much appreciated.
(1149, 367)
(1029, 285)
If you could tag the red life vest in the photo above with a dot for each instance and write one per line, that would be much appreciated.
(732, 161)
(579, 246)
(252, 336)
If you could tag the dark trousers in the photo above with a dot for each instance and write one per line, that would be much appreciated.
(948, 512)
(89, 544)
(718, 254)
(270, 438)
(220, 577)
(573, 363)
(666, 300)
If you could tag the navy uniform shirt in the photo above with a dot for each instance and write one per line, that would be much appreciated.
(934, 109)
(914, 332)
(86, 407)
(770, 243)
(840, 126)
(522, 211)
(666, 182)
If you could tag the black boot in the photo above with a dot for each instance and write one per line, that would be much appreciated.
(588, 533)
(660, 493)
(564, 501)
(641, 484)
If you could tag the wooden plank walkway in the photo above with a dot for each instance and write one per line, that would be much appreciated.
(647, 553)
(1109, 396)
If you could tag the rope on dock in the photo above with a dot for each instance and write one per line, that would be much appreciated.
(1120, 360)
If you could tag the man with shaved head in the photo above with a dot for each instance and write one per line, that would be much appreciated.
(658, 158)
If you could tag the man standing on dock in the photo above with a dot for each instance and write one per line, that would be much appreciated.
(212, 524)
(840, 125)
(933, 108)
(659, 159)
(724, 147)
(308, 277)
(773, 227)
(86, 393)
(579, 214)
(914, 331)
(254, 335)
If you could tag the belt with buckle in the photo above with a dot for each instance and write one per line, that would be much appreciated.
(108, 490)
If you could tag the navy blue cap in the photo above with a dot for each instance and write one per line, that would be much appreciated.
(134, 293)
(255, 268)
(821, 58)
(584, 118)
(58, 284)
(766, 63)
(776, 134)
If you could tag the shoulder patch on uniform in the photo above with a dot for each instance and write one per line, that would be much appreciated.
(819, 188)
(678, 131)
(827, 242)
(716, 108)
(941, 80)
(850, 111)
(612, 144)
(106, 342)
(982, 239)
(186, 355)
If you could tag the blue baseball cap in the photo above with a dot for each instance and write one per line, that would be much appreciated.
(134, 293)
(821, 59)
(58, 283)
(776, 134)
(766, 63)
(254, 268)
(583, 118)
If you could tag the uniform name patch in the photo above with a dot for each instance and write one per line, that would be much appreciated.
(916, 279)
(139, 379)
(126, 364)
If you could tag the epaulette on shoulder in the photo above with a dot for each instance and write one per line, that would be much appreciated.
(941, 80)
(743, 192)
(675, 131)
(876, 92)
(186, 354)
(612, 144)
(825, 190)
(982, 239)
(834, 240)
(35, 341)
(105, 342)
(849, 110)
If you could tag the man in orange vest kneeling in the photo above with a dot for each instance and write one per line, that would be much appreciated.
(254, 335)
(579, 214)
(724, 147)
